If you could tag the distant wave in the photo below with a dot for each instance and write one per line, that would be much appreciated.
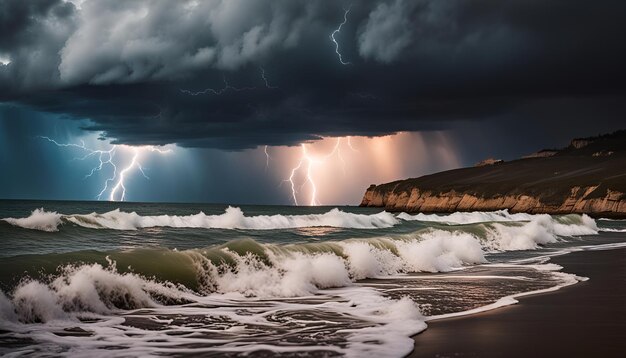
(504, 231)
(539, 230)
(468, 217)
(232, 218)
(606, 229)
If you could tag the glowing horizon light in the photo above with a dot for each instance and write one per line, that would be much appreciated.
(106, 157)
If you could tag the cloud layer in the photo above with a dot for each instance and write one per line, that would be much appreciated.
(236, 74)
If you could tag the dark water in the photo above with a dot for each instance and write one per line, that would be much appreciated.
(118, 279)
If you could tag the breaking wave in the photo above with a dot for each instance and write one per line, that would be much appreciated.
(243, 287)
(608, 229)
(504, 231)
(473, 217)
(247, 276)
(243, 266)
(232, 218)
(467, 217)
(540, 230)
(253, 269)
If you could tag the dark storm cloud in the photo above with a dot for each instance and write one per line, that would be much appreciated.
(133, 67)
(31, 35)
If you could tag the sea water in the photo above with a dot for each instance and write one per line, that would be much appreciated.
(144, 279)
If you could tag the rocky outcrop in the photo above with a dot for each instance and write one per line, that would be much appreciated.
(612, 204)
(489, 161)
(573, 180)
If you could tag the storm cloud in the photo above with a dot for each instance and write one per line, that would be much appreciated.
(237, 74)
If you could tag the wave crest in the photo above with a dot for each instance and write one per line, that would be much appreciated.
(462, 218)
(501, 230)
(540, 230)
(232, 218)
(284, 271)
(39, 219)
(89, 288)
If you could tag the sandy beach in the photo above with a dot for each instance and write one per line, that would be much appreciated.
(584, 320)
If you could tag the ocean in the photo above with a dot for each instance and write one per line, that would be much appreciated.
(145, 279)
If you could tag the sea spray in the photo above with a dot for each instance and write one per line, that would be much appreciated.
(467, 217)
(232, 218)
(39, 219)
(351, 295)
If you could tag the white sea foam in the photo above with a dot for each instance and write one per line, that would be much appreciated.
(567, 225)
(437, 251)
(400, 319)
(252, 290)
(467, 217)
(539, 230)
(441, 251)
(607, 229)
(293, 276)
(371, 324)
(84, 288)
(505, 231)
(232, 218)
(565, 279)
(366, 260)
(39, 219)
(98, 289)
(520, 231)
(93, 289)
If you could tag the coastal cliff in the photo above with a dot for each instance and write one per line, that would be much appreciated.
(589, 176)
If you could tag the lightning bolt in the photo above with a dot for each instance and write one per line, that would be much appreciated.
(267, 158)
(106, 157)
(309, 163)
(267, 84)
(350, 145)
(337, 30)
(228, 87)
(219, 91)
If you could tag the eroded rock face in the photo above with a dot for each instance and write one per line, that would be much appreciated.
(579, 201)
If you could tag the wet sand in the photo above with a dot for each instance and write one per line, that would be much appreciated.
(584, 320)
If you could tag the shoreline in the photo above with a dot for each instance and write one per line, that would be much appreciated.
(611, 215)
(585, 319)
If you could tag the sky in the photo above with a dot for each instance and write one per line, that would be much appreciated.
(302, 102)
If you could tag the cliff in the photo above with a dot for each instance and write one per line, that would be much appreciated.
(573, 180)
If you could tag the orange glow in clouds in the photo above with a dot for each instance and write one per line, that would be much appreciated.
(338, 170)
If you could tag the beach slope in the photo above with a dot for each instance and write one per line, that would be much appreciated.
(584, 320)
